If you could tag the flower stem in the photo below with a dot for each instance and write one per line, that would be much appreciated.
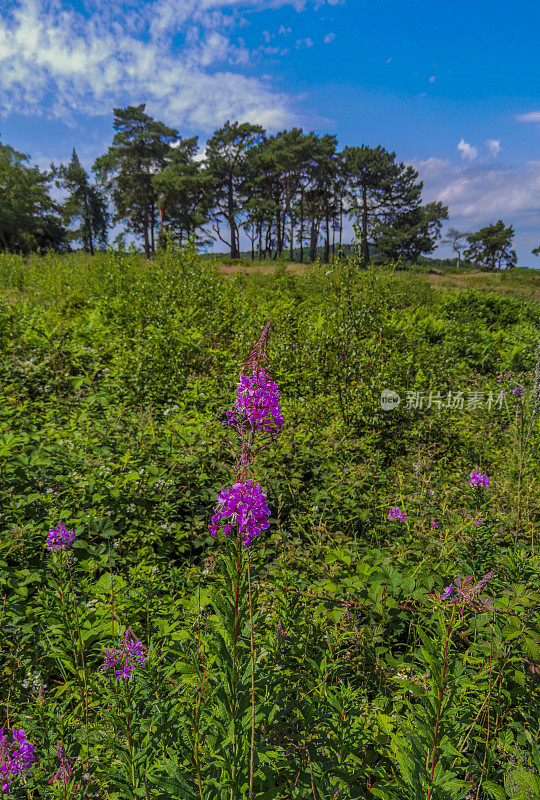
(252, 754)
(83, 665)
(130, 746)
(441, 695)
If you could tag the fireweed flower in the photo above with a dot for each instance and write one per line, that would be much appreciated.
(396, 513)
(64, 773)
(60, 538)
(468, 593)
(126, 655)
(242, 504)
(258, 403)
(15, 757)
(477, 479)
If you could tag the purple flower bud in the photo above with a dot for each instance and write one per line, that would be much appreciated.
(126, 655)
(64, 773)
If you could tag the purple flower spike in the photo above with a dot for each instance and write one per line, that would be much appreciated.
(243, 504)
(396, 513)
(477, 479)
(64, 773)
(447, 591)
(126, 655)
(15, 757)
(469, 592)
(257, 403)
(60, 538)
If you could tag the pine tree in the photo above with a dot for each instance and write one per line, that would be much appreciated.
(29, 218)
(84, 205)
(491, 247)
(226, 156)
(413, 233)
(380, 190)
(139, 150)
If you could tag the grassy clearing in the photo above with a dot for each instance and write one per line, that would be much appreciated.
(115, 376)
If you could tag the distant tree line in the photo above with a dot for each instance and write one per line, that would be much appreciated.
(288, 194)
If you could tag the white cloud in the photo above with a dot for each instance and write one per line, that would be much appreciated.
(532, 116)
(283, 31)
(494, 146)
(432, 79)
(478, 192)
(468, 152)
(329, 38)
(113, 53)
(301, 43)
(477, 195)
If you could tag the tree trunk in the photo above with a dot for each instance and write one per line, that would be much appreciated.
(145, 225)
(365, 245)
(314, 239)
(230, 215)
(152, 223)
(291, 243)
(88, 225)
(302, 228)
(340, 219)
(327, 240)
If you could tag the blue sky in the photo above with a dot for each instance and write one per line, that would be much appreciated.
(452, 87)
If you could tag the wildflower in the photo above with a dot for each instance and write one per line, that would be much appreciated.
(396, 513)
(518, 390)
(477, 479)
(434, 523)
(59, 538)
(243, 504)
(15, 757)
(258, 403)
(34, 681)
(281, 631)
(468, 593)
(65, 770)
(479, 521)
(127, 654)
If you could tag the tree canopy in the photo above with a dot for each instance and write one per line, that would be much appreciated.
(491, 247)
(291, 192)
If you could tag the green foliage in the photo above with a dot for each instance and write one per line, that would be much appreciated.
(28, 216)
(491, 247)
(114, 377)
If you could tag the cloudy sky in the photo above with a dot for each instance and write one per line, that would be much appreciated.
(452, 87)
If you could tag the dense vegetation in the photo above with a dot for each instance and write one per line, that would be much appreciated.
(368, 681)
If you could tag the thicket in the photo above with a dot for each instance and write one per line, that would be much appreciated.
(368, 680)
